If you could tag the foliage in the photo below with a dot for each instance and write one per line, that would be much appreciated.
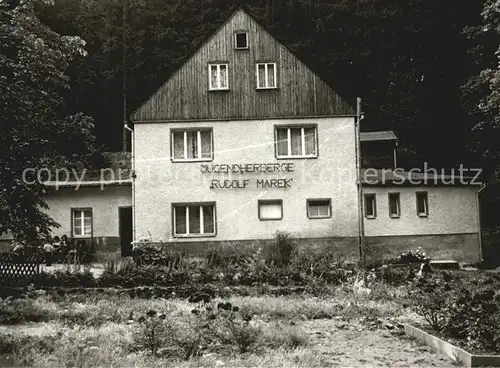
(152, 332)
(21, 311)
(282, 249)
(462, 307)
(211, 327)
(38, 130)
(412, 256)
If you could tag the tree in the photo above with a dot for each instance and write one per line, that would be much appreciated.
(482, 90)
(38, 131)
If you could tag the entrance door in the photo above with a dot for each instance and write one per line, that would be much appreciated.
(125, 218)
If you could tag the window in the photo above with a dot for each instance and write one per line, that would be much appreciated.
(194, 219)
(422, 204)
(82, 222)
(297, 141)
(270, 209)
(266, 75)
(217, 77)
(370, 206)
(319, 208)
(192, 145)
(241, 40)
(394, 206)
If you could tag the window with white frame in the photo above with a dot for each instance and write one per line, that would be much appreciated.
(422, 204)
(270, 209)
(82, 222)
(394, 205)
(266, 75)
(319, 208)
(194, 219)
(296, 141)
(192, 145)
(241, 40)
(370, 206)
(218, 77)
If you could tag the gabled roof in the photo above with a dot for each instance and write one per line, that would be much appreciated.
(185, 96)
(387, 135)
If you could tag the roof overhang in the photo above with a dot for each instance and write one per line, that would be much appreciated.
(387, 135)
(397, 177)
(96, 183)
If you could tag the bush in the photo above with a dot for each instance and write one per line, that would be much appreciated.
(67, 278)
(146, 252)
(463, 307)
(21, 311)
(282, 249)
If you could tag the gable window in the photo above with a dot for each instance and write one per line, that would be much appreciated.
(81, 222)
(270, 209)
(193, 219)
(241, 40)
(266, 76)
(370, 206)
(217, 77)
(296, 141)
(422, 204)
(319, 208)
(394, 205)
(192, 145)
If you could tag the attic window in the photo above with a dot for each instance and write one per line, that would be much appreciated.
(241, 40)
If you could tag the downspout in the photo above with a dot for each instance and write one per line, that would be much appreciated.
(133, 178)
(479, 231)
(361, 225)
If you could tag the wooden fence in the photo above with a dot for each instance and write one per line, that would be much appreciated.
(19, 267)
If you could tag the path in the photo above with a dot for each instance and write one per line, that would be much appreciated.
(353, 345)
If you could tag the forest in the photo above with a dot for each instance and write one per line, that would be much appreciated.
(426, 69)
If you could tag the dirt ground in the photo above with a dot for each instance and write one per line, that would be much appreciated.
(357, 346)
(332, 342)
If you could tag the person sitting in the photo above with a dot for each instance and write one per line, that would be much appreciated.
(48, 248)
(71, 251)
(64, 249)
(81, 251)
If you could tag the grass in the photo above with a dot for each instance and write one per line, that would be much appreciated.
(103, 330)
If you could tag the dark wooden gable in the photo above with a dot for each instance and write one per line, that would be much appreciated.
(185, 96)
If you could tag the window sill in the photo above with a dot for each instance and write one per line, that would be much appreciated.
(191, 160)
(191, 236)
(394, 216)
(318, 217)
(371, 217)
(296, 157)
(272, 219)
(423, 215)
(242, 48)
(218, 90)
(266, 88)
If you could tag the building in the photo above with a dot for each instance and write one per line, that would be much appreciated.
(244, 140)
(92, 205)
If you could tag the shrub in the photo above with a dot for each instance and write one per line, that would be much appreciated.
(461, 306)
(21, 311)
(152, 333)
(282, 249)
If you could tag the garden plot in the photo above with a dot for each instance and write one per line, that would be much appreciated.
(239, 331)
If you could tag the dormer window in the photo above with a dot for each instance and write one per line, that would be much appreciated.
(241, 40)
(217, 77)
(266, 75)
